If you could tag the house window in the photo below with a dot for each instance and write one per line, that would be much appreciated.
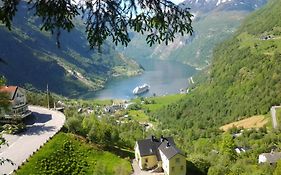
(182, 167)
(177, 160)
(173, 168)
(146, 160)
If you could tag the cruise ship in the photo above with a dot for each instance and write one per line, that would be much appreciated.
(141, 89)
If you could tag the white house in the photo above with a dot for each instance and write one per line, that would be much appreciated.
(18, 104)
(270, 158)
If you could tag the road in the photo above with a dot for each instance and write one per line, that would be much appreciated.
(41, 126)
(273, 115)
(138, 171)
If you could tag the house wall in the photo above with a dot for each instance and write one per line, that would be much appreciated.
(18, 105)
(145, 162)
(262, 159)
(175, 166)
(148, 162)
(20, 98)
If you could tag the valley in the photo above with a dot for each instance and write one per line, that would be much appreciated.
(222, 126)
(163, 77)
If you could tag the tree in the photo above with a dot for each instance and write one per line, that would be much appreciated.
(4, 100)
(160, 20)
(4, 104)
(227, 147)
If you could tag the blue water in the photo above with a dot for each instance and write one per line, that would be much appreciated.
(164, 77)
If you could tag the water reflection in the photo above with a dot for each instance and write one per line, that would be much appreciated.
(164, 77)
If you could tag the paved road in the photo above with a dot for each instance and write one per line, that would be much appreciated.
(273, 115)
(41, 126)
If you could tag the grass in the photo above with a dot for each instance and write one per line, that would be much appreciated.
(252, 122)
(138, 115)
(150, 105)
(159, 101)
(267, 47)
(80, 158)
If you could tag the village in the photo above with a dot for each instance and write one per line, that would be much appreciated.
(152, 155)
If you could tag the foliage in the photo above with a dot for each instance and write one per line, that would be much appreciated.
(4, 102)
(277, 170)
(200, 165)
(14, 128)
(162, 19)
(104, 130)
(67, 154)
(227, 147)
(242, 82)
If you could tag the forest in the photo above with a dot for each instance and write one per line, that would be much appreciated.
(242, 81)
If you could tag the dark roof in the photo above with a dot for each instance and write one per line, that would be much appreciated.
(169, 150)
(151, 146)
(272, 157)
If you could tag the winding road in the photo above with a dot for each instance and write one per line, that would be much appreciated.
(42, 125)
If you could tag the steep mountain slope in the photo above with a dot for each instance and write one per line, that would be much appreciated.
(244, 79)
(32, 57)
(214, 21)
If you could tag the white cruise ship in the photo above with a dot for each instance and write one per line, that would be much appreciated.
(141, 89)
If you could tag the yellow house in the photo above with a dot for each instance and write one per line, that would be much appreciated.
(160, 155)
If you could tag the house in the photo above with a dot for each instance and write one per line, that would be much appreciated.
(268, 37)
(240, 149)
(113, 108)
(18, 104)
(270, 158)
(160, 155)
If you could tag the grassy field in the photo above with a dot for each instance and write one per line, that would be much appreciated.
(138, 115)
(68, 154)
(252, 122)
(160, 101)
(150, 105)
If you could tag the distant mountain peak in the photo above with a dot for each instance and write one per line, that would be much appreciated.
(222, 1)
(210, 5)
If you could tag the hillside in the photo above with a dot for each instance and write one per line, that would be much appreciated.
(243, 79)
(69, 154)
(213, 22)
(32, 57)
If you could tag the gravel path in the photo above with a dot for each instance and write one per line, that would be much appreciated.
(41, 126)
(138, 171)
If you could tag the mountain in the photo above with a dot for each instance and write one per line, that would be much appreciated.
(32, 57)
(210, 5)
(214, 21)
(243, 80)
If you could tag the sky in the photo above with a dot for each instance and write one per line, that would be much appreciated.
(177, 1)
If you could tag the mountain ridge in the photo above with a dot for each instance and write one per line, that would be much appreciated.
(212, 24)
(242, 80)
(69, 70)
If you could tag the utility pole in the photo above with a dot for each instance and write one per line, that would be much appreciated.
(48, 97)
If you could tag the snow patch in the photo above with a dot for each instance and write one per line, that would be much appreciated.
(222, 1)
